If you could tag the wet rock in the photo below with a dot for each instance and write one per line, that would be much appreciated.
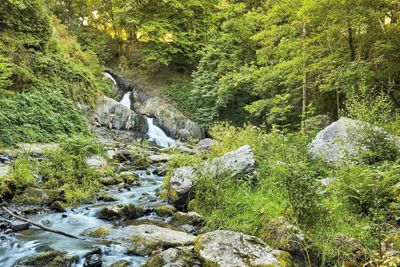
(19, 225)
(161, 158)
(120, 211)
(121, 263)
(29, 211)
(240, 162)
(142, 239)
(110, 180)
(191, 218)
(40, 197)
(109, 198)
(167, 210)
(58, 206)
(162, 170)
(96, 250)
(230, 249)
(279, 234)
(53, 259)
(96, 162)
(171, 257)
(93, 261)
(8, 231)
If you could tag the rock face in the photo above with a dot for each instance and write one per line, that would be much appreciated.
(343, 140)
(114, 115)
(240, 162)
(142, 239)
(171, 120)
(231, 249)
(205, 145)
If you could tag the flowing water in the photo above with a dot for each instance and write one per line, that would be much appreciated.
(111, 77)
(157, 135)
(35, 241)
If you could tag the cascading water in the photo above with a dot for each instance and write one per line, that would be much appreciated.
(111, 77)
(157, 135)
(126, 100)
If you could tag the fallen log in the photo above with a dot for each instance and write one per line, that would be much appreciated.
(39, 225)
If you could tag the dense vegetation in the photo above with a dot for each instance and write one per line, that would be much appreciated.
(270, 63)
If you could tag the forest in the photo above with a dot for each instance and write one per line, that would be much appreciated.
(256, 72)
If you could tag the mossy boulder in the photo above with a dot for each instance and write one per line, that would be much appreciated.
(40, 197)
(110, 180)
(279, 234)
(29, 211)
(191, 218)
(109, 198)
(102, 231)
(141, 239)
(129, 177)
(120, 211)
(167, 210)
(171, 257)
(192, 205)
(50, 259)
(58, 206)
(230, 249)
(121, 263)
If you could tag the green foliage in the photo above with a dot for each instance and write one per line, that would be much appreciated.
(365, 187)
(181, 93)
(38, 117)
(81, 145)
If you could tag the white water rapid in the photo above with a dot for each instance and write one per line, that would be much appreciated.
(157, 135)
(111, 77)
(126, 100)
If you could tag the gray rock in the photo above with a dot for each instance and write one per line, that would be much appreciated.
(96, 162)
(19, 225)
(53, 258)
(162, 170)
(121, 263)
(4, 170)
(187, 228)
(166, 210)
(343, 140)
(231, 249)
(35, 196)
(240, 162)
(36, 149)
(115, 115)
(161, 158)
(120, 211)
(191, 218)
(169, 258)
(205, 144)
(142, 239)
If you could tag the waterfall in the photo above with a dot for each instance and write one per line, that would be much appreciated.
(126, 100)
(108, 75)
(157, 135)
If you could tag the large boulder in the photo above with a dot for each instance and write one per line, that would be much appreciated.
(191, 218)
(347, 139)
(114, 115)
(230, 249)
(142, 239)
(240, 162)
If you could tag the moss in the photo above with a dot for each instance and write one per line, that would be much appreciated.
(142, 246)
(109, 198)
(284, 258)
(31, 210)
(58, 206)
(156, 261)
(50, 259)
(192, 205)
(117, 212)
(100, 232)
(197, 244)
(167, 210)
(148, 172)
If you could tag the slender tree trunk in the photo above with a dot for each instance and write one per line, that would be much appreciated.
(303, 111)
(351, 44)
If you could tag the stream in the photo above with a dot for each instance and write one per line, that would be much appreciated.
(35, 241)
